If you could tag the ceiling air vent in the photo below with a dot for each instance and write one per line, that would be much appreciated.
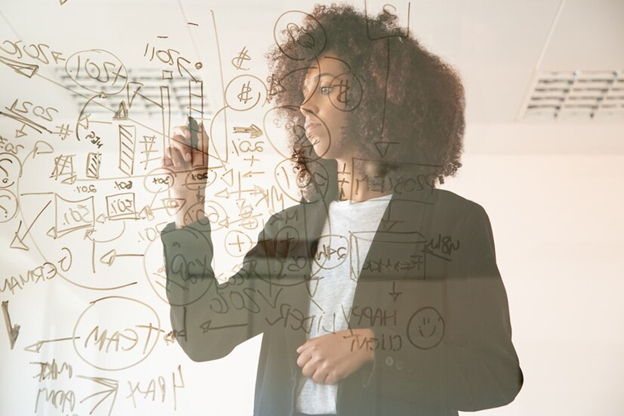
(577, 95)
(149, 91)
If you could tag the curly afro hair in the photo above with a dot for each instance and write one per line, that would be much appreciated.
(409, 117)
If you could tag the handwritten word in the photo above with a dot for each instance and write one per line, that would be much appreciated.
(127, 339)
(33, 51)
(376, 317)
(51, 371)
(159, 385)
(385, 265)
(9, 147)
(46, 271)
(38, 111)
(57, 398)
(86, 189)
(444, 244)
(166, 56)
(385, 343)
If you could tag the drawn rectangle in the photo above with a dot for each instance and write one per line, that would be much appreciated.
(94, 160)
(72, 215)
(121, 207)
(127, 145)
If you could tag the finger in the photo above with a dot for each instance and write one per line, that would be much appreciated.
(183, 145)
(303, 347)
(166, 161)
(320, 375)
(182, 131)
(167, 156)
(331, 379)
(309, 369)
(176, 157)
(303, 359)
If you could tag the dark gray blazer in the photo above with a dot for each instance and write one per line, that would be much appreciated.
(429, 288)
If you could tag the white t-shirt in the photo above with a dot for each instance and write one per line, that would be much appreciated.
(337, 265)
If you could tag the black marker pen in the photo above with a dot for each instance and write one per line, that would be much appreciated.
(192, 125)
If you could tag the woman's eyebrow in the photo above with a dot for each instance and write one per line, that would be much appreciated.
(316, 78)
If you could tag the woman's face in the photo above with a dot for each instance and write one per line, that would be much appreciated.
(326, 92)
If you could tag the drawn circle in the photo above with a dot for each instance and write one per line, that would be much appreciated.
(244, 92)
(286, 240)
(331, 251)
(291, 179)
(280, 133)
(352, 94)
(115, 333)
(154, 269)
(301, 44)
(8, 205)
(212, 212)
(199, 65)
(10, 169)
(159, 180)
(425, 328)
(237, 243)
(98, 71)
(200, 178)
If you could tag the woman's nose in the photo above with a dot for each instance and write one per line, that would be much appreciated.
(309, 105)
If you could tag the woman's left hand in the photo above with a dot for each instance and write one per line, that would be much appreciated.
(330, 358)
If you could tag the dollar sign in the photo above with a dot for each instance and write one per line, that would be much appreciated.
(343, 89)
(240, 59)
(243, 97)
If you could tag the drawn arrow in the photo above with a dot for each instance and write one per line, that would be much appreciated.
(12, 330)
(37, 345)
(111, 389)
(109, 257)
(394, 293)
(250, 174)
(41, 148)
(253, 130)
(223, 194)
(18, 242)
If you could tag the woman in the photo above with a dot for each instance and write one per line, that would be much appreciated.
(378, 294)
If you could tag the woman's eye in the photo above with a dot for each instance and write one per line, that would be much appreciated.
(325, 90)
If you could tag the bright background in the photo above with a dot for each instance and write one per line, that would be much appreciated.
(552, 189)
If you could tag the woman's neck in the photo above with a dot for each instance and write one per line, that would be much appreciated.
(352, 187)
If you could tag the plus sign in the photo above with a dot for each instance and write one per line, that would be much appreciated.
(418, 261)
(238, 243)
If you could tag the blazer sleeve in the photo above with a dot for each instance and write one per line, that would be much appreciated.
(210, 319)
(474, 366)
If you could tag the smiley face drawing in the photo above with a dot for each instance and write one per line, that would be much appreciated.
(425, 329)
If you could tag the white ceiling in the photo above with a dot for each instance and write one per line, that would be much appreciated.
(499, 46)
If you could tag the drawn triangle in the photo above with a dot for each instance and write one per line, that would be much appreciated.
(230, 172)
(34, 347)
(20, 133)
(130, 99)
(122, 112)
(28, 70)
(18, 243)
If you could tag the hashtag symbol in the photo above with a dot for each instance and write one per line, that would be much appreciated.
(63, 131)
(343, 89)
(240, 59)
(243, 97)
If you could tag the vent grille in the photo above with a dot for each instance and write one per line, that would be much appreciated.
(180, 94)
(577, 95)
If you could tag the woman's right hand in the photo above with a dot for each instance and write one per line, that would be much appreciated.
(182, 159)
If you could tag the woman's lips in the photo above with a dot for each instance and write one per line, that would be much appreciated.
(310, 126)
